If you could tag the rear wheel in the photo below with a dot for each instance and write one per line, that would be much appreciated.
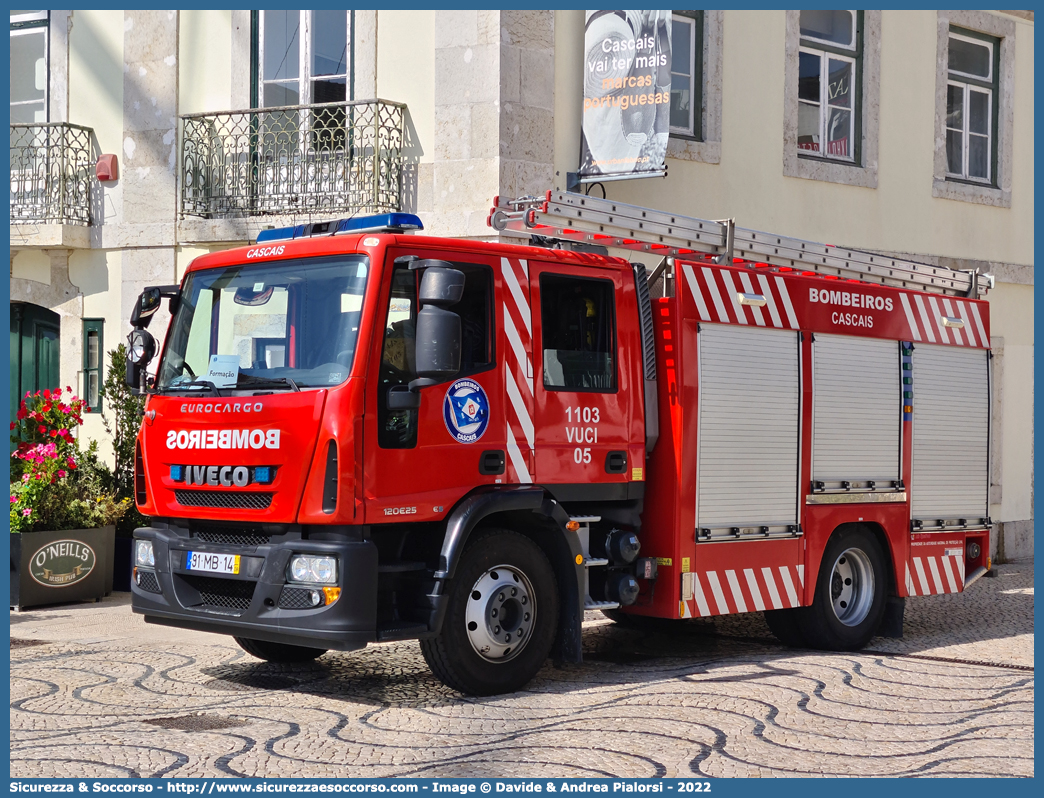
(501, 619)
(850, 593)
(278, 652)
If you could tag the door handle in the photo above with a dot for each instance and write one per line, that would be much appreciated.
(616, 462)
(491, 462)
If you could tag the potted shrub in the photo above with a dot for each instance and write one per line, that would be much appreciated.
(122, 411)
(63, 507)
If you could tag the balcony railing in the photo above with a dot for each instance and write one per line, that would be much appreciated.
(294, 160)
(51, 174)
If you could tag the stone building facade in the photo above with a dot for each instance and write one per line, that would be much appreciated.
(465, 105)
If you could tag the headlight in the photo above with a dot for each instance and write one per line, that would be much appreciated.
(143, 554)
(313, 569)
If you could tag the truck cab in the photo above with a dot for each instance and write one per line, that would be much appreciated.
(354, 430)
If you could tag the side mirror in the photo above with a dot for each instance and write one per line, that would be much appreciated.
(141, 348)
(149, 302)
(438, 345)
(441, 286)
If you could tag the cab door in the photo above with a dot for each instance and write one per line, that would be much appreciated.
(420, 462)
(586, 439)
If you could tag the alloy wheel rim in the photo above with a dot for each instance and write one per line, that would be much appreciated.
(852, 587)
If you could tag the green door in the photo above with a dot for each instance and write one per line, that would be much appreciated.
(35, 348)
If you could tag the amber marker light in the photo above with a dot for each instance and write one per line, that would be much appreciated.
(332, 594)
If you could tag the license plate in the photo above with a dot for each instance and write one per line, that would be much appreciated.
(212, 563)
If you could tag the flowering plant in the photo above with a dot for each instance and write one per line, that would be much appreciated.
(53, 484)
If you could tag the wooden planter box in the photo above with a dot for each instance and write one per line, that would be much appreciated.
(56, 567)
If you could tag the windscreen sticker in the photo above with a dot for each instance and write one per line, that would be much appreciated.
(223, 371)
(466, 411)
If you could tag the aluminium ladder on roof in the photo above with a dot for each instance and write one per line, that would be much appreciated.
(593, 221)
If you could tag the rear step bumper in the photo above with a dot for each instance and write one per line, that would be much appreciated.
(248, 605)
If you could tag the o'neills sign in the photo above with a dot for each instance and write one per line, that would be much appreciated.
(62, 563)
(627, 93)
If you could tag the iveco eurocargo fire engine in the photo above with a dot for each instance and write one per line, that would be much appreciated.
(356, 433)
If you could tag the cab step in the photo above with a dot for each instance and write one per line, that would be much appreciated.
(399, 630)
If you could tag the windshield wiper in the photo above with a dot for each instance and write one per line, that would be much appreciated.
(248, 381)
(188, 387)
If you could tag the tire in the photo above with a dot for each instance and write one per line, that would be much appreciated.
(504, 586)
(851, 592)
(278, 652)
(786, 626)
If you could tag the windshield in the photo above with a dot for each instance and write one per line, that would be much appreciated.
(285, 325)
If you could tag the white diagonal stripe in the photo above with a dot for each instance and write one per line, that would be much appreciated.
(755, 591)
(958, 560)
(519, 350)
(525, 266)
(937, 314)
(770, 584)
(755, 311)
(770, 302)
(788, 583)
(697, 294)
(516, 291)
(684, 611)
(785, 297)
(934, 567)
(926, 589)
(949, 574)
(978, 324)
(521, 411)
(910, 317)
(701, 600)
(949, 312)
(737, 591)
(801, 574)
(518, 461)
(719, 596)
(730, 290)
(969, 328)
(910, 589)
(723, 315)
(929, 328)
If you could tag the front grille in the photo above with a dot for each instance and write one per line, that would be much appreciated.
(147, 581)
(295, 598)
(232, 500)
(233, 594)
(230, 535)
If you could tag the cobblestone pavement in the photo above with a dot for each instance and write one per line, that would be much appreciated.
(96, 692)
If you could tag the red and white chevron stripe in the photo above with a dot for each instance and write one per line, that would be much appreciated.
(518, 369)
(715, 293)
(926, 576)
(923, 314)
(751, 589)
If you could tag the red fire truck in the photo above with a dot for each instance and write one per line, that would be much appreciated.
(357, 434)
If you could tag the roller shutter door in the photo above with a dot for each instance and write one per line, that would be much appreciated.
(748, 427)
(857, 410)
(951, 407)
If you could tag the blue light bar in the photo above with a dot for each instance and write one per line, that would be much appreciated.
(382, 223)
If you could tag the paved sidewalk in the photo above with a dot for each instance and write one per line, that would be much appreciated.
(97, 692)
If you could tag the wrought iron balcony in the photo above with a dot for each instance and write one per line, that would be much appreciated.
(293, 160)
(51, 174)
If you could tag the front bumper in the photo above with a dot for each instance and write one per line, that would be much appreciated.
(249, 605)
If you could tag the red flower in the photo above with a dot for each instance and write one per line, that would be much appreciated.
(70, 462)
(13, 425)
(41, 429)
(21, 413)
(47, 394)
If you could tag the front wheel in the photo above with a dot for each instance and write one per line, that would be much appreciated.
(850, 593)
(278, 652)
(501, 619)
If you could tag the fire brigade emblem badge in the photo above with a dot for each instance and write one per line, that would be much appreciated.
(466, 411)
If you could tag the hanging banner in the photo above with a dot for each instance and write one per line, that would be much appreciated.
(627, 94)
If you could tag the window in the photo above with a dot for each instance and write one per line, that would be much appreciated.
(828, 81)
(398, 429)
(687, 74)
(303, 57)
(579, 338)
(93, 352)
(971, 92)
(29, 67)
